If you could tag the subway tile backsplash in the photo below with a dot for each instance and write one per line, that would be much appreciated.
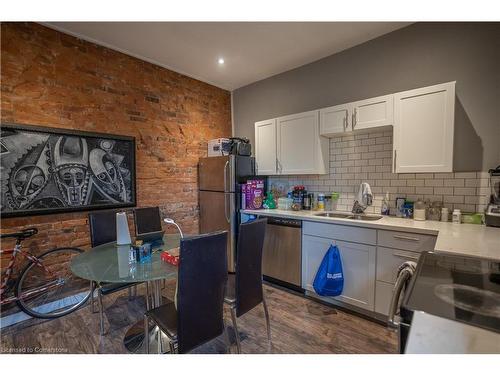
(367, 157)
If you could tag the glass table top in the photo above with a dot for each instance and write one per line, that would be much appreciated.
(109, 263)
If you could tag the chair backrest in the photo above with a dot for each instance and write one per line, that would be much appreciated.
(147, 220)
(201, 283)
(249, 265)
(102, 227)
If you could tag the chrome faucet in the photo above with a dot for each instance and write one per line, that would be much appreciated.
(364, 199)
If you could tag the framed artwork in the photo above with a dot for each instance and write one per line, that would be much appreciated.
(50, 170)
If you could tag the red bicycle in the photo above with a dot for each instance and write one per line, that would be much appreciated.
(46, 288)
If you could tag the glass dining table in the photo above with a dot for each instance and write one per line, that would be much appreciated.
(109, 263)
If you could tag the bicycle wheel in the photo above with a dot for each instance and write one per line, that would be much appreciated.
(51, 290)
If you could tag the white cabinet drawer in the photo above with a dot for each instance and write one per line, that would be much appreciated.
(389, 260)
(383, 295)
(406, 241)
(341, 232)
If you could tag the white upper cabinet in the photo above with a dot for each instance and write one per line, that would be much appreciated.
(291, 145)
(334, 120)
(265, 147)
(371, 113)
(299, 146)
(423, 129)
(422, 119)
(363, 114)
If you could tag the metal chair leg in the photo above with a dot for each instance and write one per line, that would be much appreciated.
(235, 327)
(158, 340)
(226, 339)
(101, 312)
(171, 343)
(147, 296)
(92, 289)
(146, 334)
(266, 313)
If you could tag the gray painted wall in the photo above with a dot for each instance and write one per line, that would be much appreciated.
(419, 55)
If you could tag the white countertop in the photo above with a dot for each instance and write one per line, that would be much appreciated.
(463, 239)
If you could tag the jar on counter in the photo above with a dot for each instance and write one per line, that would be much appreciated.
(456, 216)
(434, 211)
(419, 211)
(444, 214)
(285, 203)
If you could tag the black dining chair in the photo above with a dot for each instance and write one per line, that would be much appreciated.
(244, 289)
(202, 277)
(103, 230)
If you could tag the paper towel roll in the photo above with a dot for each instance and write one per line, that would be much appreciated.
(122, 232)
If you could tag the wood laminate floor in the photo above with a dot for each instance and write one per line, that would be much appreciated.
(298, 325)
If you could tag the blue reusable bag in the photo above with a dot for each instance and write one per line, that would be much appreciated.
(329, 280)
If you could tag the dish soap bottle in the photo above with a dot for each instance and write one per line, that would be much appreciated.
(384, 210)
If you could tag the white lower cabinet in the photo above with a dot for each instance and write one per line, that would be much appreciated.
(358, 264)
(383, 295)
(370, 268)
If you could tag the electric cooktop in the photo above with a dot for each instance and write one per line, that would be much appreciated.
(464, 289)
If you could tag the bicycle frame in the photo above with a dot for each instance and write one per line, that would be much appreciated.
(8, 275)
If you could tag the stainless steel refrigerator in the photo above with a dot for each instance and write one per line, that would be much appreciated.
(220, 180)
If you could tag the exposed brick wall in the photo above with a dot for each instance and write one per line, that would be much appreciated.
(52, 79)
(367, 157)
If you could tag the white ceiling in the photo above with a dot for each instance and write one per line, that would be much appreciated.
(252, 50)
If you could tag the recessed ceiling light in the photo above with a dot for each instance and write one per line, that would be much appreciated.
(220, 61)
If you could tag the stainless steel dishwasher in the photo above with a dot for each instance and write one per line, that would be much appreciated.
(282, 254)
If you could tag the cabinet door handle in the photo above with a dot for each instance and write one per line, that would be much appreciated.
(344, 121)
(394, 161)
(355, 122)
(276, 166)
(404, 255)
(406, 238)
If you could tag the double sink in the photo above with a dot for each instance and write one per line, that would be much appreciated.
(350, 216)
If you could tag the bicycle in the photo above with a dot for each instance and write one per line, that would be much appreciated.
(46, 287)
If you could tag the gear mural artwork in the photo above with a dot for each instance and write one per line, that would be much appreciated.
(48, 170)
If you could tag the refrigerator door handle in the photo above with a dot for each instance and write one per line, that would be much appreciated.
(225, 176)
(227, 208)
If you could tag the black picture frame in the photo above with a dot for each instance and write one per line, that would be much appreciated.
(6, 127)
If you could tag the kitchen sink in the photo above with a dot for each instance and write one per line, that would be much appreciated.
(333, 214)
(365, 217)
(349, 216)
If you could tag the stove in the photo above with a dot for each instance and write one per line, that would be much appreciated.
(457, 288)
(454, 287)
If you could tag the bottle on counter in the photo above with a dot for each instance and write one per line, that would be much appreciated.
(321, 202)
(307, 202)
(384, 210)
(456, 216)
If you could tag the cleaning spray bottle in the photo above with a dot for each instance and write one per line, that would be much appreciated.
(384, 210)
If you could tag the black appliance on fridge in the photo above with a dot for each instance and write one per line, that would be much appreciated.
(220, 181)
